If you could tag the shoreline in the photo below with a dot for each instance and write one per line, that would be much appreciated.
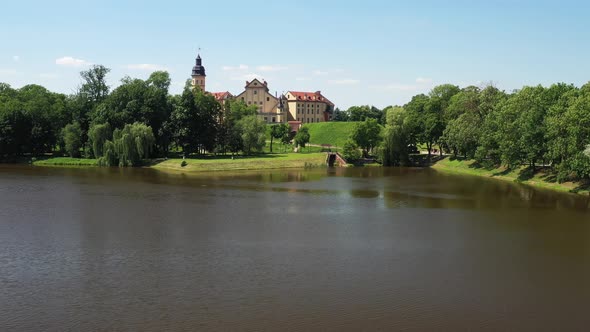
(207, 164)
(538, 180)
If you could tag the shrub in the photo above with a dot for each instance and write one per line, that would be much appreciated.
(351, 152)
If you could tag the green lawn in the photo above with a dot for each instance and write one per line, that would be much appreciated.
(265, 161)
(333, 133)
(65, 161)
(522, 175)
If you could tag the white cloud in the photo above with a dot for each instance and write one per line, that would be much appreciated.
(71, 62)
(272, 68)
(145, 66)
(15, 58)
(236, 68)
(423, 80)
(346, 81)
(320, 73)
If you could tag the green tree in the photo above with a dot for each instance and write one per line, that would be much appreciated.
(397, 138)
(340, 115)
(253, 134)
(132, 144)
(94, 85)
(367, 135)
(302, 137)
(72, 136)
(194, 121)
(351, 152)
(279, 131)
(98, 135)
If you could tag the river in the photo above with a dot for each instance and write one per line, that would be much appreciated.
(325, 249)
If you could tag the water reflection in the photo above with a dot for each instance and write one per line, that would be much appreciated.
(322, 249)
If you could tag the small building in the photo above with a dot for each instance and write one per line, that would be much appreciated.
(257, 93)
(308, 107)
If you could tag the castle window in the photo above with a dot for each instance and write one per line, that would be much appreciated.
(273, 119)
(242, 98)
(267, 98)
(255, 92)
(249, 102)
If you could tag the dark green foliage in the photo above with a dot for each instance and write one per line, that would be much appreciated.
(397, 138)
(361, 113)
(194, 121)
(302, 137)
(72, 137)
(340, 115)
(351, 152)
(280, 132)
(367, 135)
(98, 135)
(253, 133)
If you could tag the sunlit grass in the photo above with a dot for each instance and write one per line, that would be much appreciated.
(522, 174)
(263, 161)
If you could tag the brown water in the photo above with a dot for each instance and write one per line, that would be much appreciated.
(342, 250)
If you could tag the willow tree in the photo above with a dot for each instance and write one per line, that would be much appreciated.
(133, 143)
(397, 138)
(98, 135)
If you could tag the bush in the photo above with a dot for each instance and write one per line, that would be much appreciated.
(183, 163)
(351, 152)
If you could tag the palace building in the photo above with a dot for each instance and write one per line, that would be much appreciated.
(294, 107)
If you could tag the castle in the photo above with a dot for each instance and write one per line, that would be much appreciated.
(293, 107)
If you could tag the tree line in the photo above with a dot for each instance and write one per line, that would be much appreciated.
(534, 126)
(137, 120)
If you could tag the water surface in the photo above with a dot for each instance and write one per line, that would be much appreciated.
(326, 249)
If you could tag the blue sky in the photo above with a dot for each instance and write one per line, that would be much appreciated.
(355, 52)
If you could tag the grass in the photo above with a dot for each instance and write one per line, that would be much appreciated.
(333, 133)
(264, 161)
(65, 161)
(525, 175)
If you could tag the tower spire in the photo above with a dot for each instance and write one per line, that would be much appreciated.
(198, 73)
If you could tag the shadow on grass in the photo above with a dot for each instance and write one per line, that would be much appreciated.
(526, 174)
(584, 186)
(489, 166)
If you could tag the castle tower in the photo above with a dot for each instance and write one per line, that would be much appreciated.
(198, 75)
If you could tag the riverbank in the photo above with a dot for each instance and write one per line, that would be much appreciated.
(226, 163)
(539, 179)
(65, 161)
(211, 163)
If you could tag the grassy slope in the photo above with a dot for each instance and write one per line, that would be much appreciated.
(270, 161)
(333, 133)
(538, 179)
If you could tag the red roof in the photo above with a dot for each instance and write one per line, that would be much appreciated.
(310, 96)
(221, 95)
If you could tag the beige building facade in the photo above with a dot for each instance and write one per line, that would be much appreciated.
(294, 107)
(308, 107)
(256, 93)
